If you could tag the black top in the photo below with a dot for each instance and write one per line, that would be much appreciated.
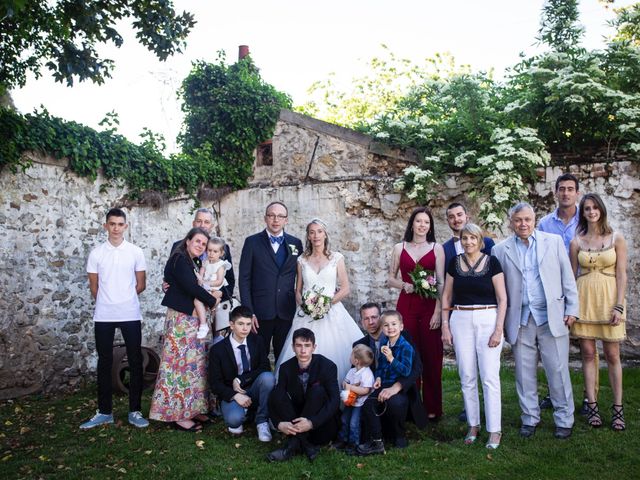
(230, 277)
(474, 287)
(179, 273)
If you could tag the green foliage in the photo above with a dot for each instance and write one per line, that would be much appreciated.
(65, 34)
(565, 100)
(229, 110)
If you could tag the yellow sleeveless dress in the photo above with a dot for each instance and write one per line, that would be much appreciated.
(597, 295)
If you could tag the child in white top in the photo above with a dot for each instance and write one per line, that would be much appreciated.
(211, 277)
(358, 383)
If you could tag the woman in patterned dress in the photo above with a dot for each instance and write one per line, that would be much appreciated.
(180, 393)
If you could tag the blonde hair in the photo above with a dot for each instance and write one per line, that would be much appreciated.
(307, 244)
(475, 231)
(363, 354)
(391, 313)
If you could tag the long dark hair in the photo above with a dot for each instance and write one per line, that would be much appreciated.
(408, 234)
(603, 224)
(181, 249)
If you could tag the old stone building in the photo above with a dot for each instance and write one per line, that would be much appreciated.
(50, 219)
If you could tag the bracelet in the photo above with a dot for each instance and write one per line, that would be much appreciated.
(619, 308)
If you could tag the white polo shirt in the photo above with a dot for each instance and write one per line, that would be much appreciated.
(117, 300)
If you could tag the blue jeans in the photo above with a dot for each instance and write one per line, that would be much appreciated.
(234, 415)
(350, 431)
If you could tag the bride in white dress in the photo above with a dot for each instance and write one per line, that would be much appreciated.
(319, 268)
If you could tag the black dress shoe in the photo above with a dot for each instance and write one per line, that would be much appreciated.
(287, 453)
(311, 451)
(370, 448)
(545, 403)
(401, 442)
(562, 433)
(527, 431)
(462, 416)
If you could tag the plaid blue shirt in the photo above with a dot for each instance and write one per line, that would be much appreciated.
(401, 365)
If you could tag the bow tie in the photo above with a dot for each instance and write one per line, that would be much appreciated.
(277, 240)
(456, 239)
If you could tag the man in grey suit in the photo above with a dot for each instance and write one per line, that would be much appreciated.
(543, 303)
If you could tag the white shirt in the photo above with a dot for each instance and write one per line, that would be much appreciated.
(236, 352)
(364, 376)
(117, 300)
(459, 248)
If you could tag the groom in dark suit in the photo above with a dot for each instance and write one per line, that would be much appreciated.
(267, 277)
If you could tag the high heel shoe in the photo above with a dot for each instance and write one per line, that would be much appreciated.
(472, 435)
(497, 436)
(617, 418)
(593, 414)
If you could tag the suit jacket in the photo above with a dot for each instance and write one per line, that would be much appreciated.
(230, 277)
(322, 372)
(450, 250)
(223, 368)
(557, 280)
(408, 383)
(265, 288)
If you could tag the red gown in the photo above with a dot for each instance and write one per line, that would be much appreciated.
(416, 312)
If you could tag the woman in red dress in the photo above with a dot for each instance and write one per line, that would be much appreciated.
(421, 315)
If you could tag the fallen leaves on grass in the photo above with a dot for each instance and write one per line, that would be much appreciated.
(200, 444)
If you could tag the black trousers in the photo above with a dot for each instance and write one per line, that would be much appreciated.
(276, 329)
(391, 424)
(283, 408)
(132, 334)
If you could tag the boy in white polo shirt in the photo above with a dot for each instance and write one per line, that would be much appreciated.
(117, 275)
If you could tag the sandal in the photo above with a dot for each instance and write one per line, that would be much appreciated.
(496, 436)
(196, 427)
(617, 418)
(593, 414)
(472, 435)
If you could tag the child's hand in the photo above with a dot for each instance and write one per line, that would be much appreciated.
(386, 351)
(377, 384)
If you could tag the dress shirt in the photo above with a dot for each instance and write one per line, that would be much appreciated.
(458, 245)
(553, 224)
(275, 245)
(236, 352)
(401, 365)
(534, 301)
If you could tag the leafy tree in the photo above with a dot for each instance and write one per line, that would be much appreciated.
(229, 111)
(559, 27)
(63, 35)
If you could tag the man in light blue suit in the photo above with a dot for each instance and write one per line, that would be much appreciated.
(543, 303)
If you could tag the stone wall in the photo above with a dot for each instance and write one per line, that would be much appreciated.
(50, 219)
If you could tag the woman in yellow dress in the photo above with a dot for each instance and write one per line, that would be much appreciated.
(599, 261)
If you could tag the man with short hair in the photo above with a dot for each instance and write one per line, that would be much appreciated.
(267, 275)
(457, 218)
(117, 275)
(402, 398)
(563, 221)
(304, 405)
(240, 375)
(543, 304)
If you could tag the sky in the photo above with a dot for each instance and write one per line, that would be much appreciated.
(298, 42)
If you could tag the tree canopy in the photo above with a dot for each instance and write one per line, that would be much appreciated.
(63, 35)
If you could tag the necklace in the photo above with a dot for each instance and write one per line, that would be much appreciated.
(415, 244)
(475, 265)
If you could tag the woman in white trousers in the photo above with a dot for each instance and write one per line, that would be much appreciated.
(474, 303)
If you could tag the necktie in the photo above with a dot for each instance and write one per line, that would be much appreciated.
(243, 358)
(277, 240)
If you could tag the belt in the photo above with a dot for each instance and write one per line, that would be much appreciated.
(463, 307)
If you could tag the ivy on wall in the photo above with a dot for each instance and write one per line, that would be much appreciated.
(229, 111)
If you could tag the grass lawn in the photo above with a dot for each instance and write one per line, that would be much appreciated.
(40, 439)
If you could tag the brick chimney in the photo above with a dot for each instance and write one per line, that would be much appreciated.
(243, 51)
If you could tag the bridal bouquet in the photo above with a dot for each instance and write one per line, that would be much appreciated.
(424, 282)
(315, 303)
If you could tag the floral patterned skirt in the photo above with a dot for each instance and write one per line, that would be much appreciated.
(181, 387)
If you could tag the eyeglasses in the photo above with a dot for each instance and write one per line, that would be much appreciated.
(273, 216)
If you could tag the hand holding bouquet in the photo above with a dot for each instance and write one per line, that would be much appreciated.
(424, 282)
(315, 303)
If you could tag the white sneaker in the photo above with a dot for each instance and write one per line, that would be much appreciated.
(264, 433)
(236, 430)
(203, 331)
